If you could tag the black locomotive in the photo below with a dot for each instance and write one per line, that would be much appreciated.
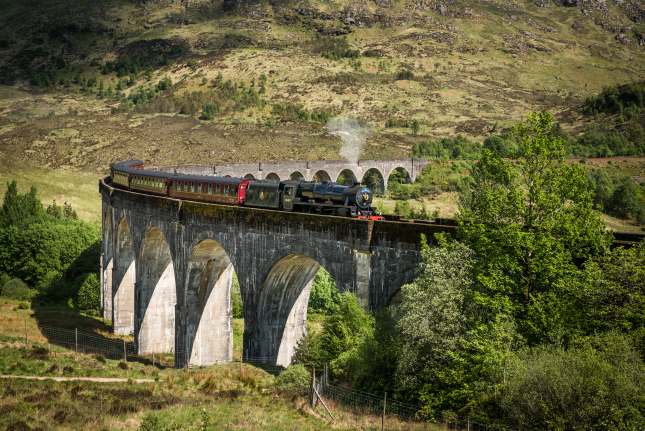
(302, 196)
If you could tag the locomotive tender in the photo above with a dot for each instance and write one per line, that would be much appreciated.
(300, 196)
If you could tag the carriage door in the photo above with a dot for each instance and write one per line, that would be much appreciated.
(288, 194)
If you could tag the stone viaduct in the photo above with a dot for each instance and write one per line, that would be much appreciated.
(168, 266)
(323, 170)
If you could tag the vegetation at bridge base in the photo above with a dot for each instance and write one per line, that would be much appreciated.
(528, 319)
(47, 252)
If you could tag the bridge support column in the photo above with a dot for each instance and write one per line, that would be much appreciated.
(362, 269)
(209, 332)
(106, 288)
(123, 298)
(295, 328)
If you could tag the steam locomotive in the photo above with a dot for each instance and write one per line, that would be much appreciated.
(300, 196)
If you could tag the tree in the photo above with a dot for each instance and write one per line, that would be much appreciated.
(530, 220)
(610, 293)
(88, 296)
(20, 209)
(324, 296)
(597, 385)
(343, 333)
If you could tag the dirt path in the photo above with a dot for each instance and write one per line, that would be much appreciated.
(80, 379)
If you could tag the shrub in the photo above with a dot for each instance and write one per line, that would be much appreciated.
(17, 289)
(405, 74)
(208, 111)
(4, 278)
(333, 48)
(598, 385)
(88, 296)
(614, 100)
(295, 380)
(500, 145)
(448, 148)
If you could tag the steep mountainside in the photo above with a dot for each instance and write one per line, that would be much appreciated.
(87, 82)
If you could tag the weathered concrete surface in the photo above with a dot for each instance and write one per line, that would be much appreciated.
(329, 170)
(156, 295)
(275, 255)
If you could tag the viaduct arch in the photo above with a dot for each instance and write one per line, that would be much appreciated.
(323, 170)
(168, 266)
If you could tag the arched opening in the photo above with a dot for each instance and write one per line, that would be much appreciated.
(209, 333)
(398, 176)
(346, 177)
(322, 176)
(296, 176)
(157, 296)
(373, 179)
(272, 177)
(249, 177)
(123, 278)
(283, 303)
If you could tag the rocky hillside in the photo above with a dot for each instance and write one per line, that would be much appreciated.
(87, 82)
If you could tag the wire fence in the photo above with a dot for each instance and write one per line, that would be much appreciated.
(356, 400)
(372, 404)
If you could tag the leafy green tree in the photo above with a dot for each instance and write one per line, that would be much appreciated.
(609, 295)
(603, 186)
(529, 220)
(20, 209)
(447, 357)
(628, 200)
(324, 296)
(88, 296)
(343, 333)
(595, 386)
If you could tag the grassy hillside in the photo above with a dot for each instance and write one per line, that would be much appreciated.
(89, 82)
(229, 396)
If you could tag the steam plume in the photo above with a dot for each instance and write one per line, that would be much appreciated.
(353, 135)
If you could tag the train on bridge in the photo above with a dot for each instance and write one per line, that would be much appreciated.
(300, 196)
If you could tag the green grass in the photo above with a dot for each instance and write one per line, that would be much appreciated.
(78, 188)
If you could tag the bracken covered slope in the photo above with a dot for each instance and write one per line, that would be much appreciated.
(87, 82)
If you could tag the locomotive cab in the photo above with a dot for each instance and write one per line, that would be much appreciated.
(288, 195)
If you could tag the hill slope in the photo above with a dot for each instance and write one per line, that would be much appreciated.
(90, 82)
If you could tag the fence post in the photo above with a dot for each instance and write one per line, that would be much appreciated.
(125, 352)
(76, 340)
(313, 387)
(383, 414)
(468, 424)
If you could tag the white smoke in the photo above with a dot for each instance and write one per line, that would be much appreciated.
(353, 135)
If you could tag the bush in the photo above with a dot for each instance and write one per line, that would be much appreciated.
(448, 148)
(208, 111)
(500, 145)
(88, 296)
(17, 289)
(295, 380)
(4, 278)
(333, 48)
(614, 100)
(405, 74)
(598, 385)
